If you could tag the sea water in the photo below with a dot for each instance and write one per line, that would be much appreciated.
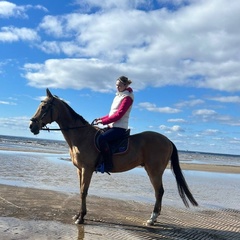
(45, 164)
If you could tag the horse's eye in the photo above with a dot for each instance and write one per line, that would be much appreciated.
(43, 107)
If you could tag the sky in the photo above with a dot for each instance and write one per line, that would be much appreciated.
(183, 57)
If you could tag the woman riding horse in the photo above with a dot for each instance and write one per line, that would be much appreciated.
(117, 121)
(151, 150)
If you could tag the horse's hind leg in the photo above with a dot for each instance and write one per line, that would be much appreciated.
(157, 207)
(159, 191)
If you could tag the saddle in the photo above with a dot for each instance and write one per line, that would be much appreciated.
(119, 146)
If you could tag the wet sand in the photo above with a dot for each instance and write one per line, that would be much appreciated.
(28, 213)
(38, 214)
(210, 168)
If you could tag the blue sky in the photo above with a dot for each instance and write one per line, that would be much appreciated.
(182, 56)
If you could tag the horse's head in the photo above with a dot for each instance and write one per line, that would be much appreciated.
(45, 114)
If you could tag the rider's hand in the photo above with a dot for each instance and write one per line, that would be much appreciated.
(98, 121)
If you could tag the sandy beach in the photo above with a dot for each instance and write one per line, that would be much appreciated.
(30, 211)
(211, 168)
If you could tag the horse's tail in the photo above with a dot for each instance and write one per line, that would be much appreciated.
(181, 182)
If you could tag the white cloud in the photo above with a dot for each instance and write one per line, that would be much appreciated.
(190, 103)
(40, 98)
(226, 99)
(109, 4)
(157, 47)
(204, 112)
(175, 128)
(205, 115)
(153, 108)
(209, 115)
(211, 132)
(74, 73)
(9, 9)
(15, 122)
(7, 103)
(179, 120)
(12, 34)
(53, 26)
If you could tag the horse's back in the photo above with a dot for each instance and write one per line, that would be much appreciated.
(151, 137)
(152, 142)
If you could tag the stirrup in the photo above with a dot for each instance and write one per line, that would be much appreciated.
(100, 168)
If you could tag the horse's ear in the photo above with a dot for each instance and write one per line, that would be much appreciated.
(49, 94)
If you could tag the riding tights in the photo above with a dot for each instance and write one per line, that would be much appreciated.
(112, 134)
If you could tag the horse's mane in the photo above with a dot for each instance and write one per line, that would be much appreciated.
(75, 115)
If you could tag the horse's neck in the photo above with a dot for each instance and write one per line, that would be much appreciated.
(81, 137)
(74, 130)
(65, 118)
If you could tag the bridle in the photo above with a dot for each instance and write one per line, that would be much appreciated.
(49, 108)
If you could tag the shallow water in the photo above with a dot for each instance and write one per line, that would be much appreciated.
(48, 171)
(32, 144)
(208, 158)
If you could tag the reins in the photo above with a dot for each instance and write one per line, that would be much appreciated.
(45, 128)
(61, 129)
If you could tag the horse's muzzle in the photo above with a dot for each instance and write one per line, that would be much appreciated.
(34, 127)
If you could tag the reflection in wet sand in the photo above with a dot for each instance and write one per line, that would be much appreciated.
(55, 230)
(81, 232)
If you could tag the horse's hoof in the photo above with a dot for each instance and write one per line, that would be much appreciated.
(75, 217)
(79, 221)
(150, 222)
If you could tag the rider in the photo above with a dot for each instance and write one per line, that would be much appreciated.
(117, 119)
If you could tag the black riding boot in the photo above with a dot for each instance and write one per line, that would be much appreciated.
(107, 156)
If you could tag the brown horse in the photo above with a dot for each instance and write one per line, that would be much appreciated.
(148, 149)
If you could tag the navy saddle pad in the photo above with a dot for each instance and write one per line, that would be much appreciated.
(118, 146)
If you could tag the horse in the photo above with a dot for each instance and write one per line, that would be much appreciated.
(148, 149)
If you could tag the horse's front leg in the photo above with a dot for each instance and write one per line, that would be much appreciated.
(85, 176)
(79, 173)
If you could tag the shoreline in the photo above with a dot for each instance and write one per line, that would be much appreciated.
(209, 168)
(184, 166)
